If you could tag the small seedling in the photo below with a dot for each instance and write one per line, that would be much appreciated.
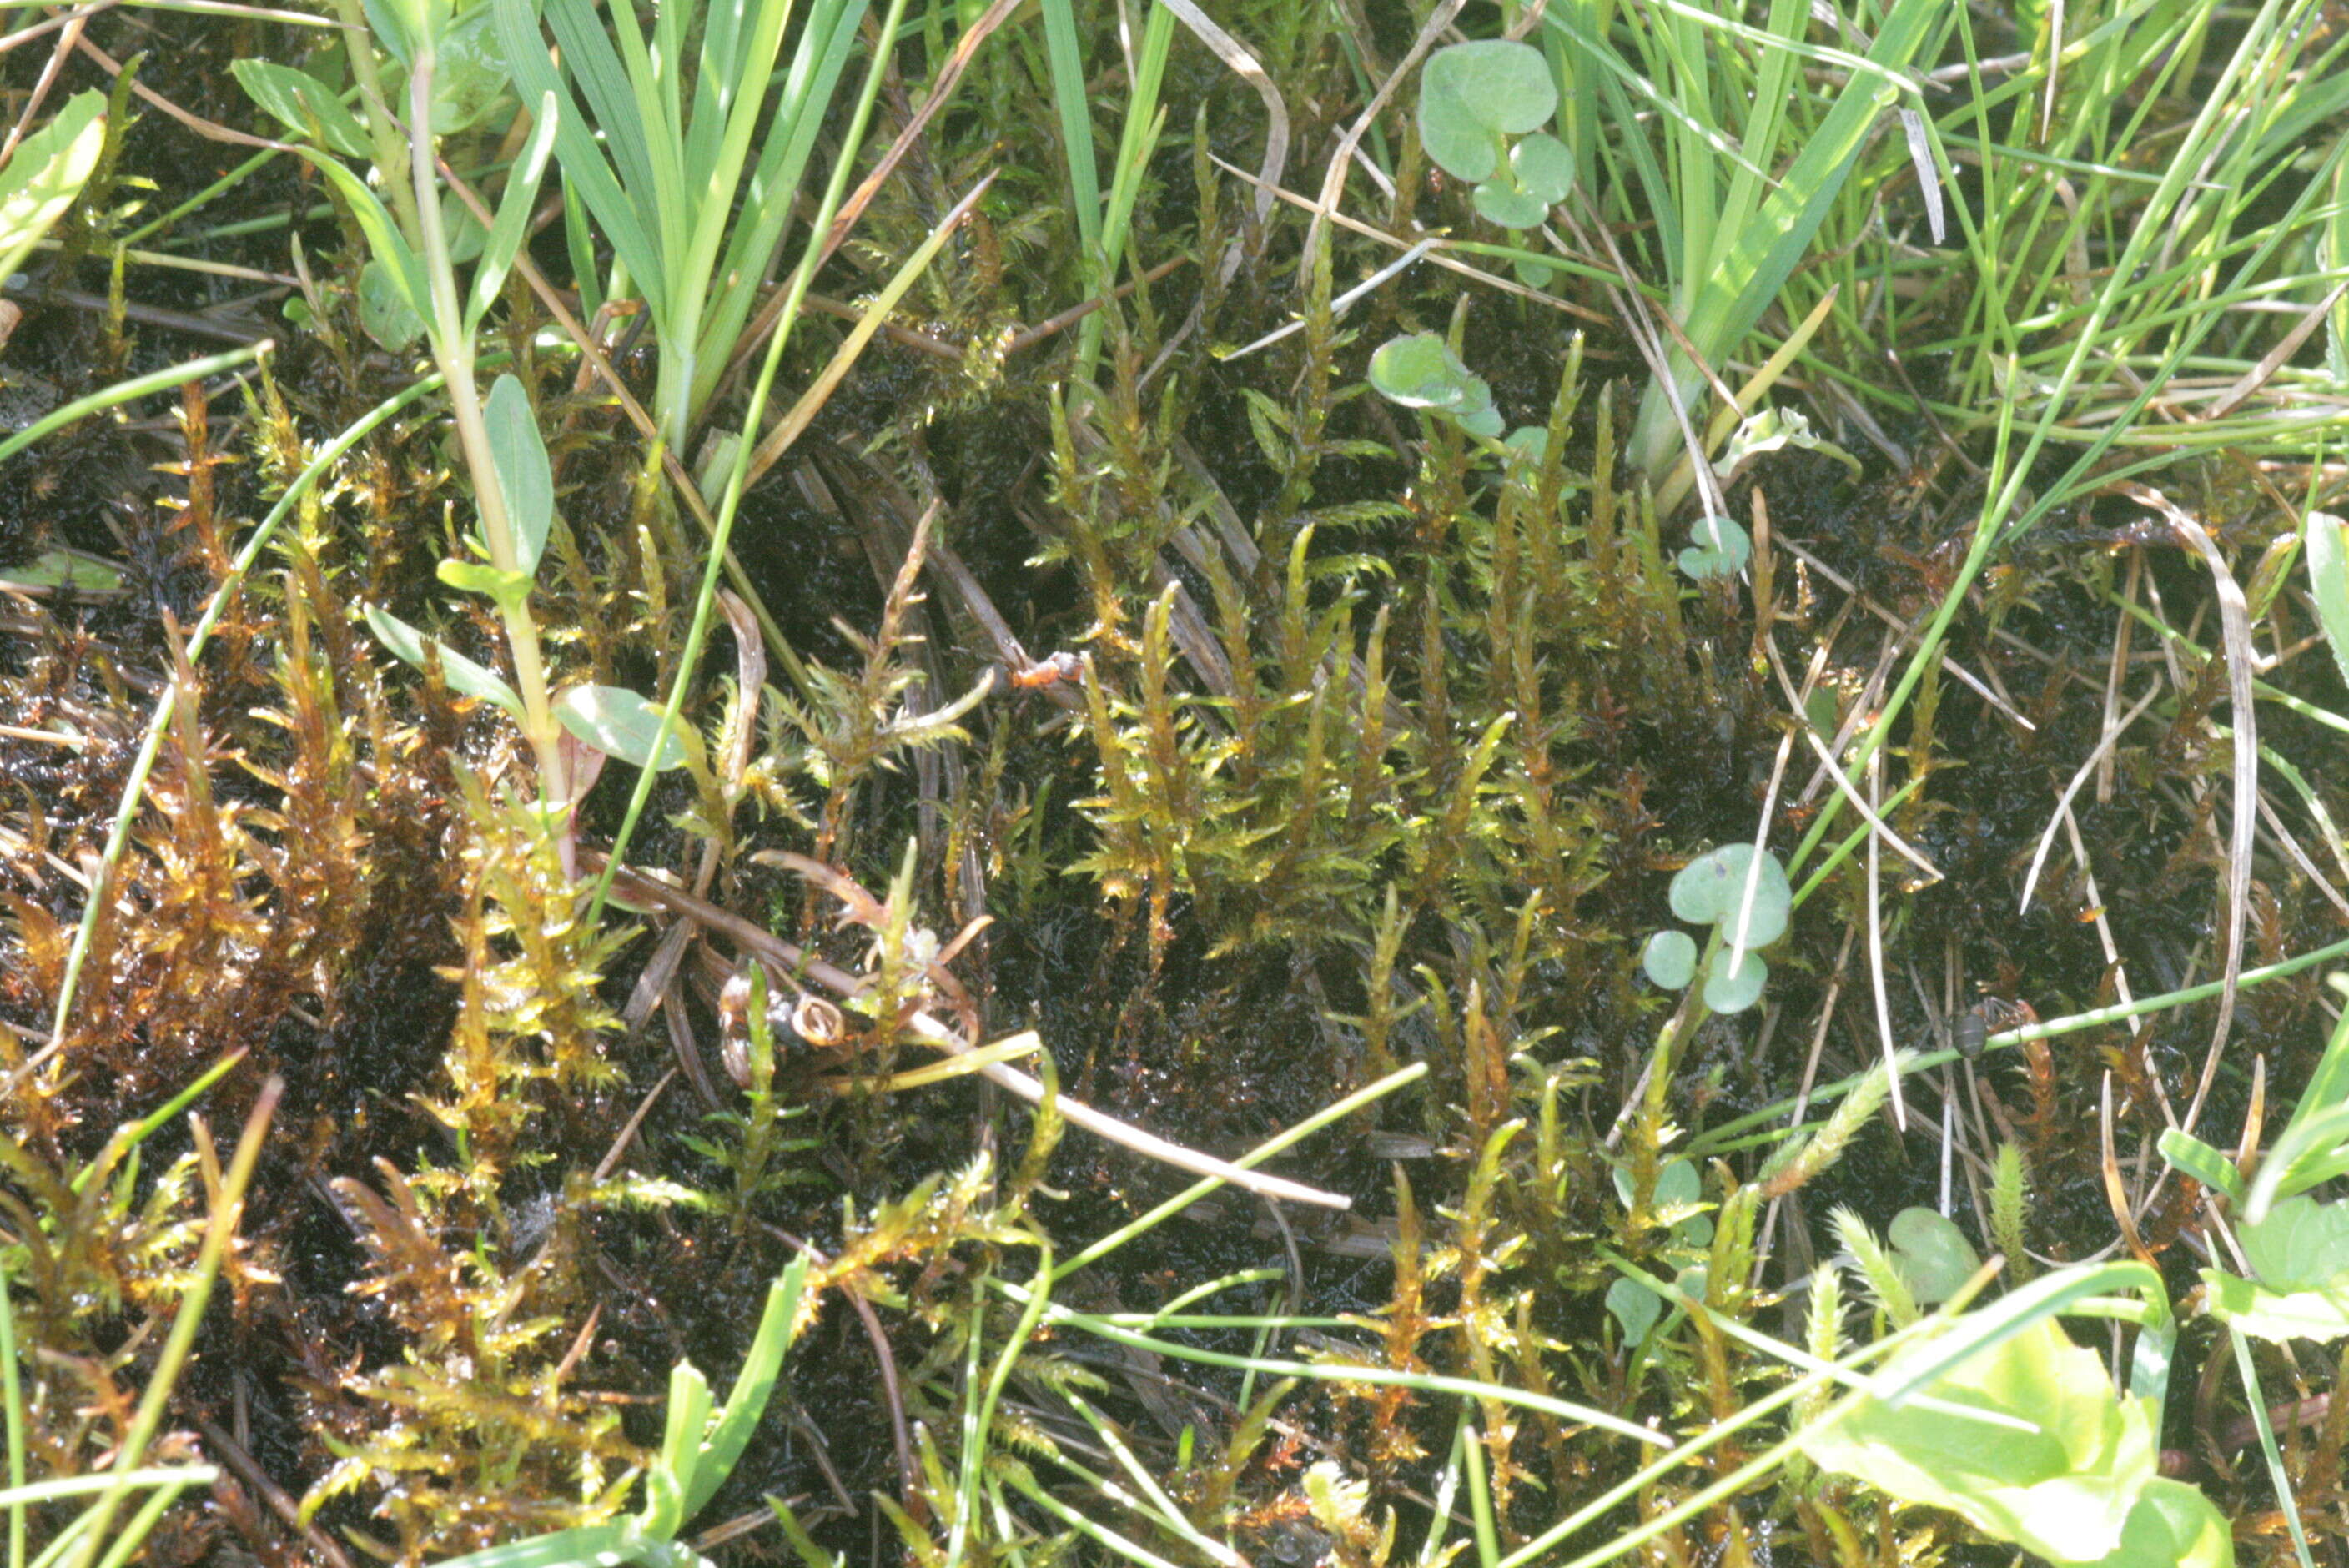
(1422, 372)
(1717, 548)
(1734, 882)
(1473, 99)
(1998, 1417)
(1679, 1203)
(702, 1441)
(1747, 900)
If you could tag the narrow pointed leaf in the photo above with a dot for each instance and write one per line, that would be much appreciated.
(512, 225)
(403, 270)
(730, 1432)
(462, 674)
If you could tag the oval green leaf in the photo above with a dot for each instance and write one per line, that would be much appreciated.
(303, 105)
(2322, 548)
(2301, 1244)
(1636, 1308)
(1421, 372)
(1933, 1255)
(45, 174)
(2173, 1525)
(385, 313)
(525, 478)
(618, 723)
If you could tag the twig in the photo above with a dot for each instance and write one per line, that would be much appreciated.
(2235, 626)
(788, 961)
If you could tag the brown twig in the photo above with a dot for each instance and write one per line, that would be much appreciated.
(787, 960)
(210, 130)
(232, 1453)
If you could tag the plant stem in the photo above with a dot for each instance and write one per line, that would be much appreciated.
(452, 346)
(391, 152)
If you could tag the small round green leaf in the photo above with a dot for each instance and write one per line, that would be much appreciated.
(1718, 548)
(1420, 372)
(1542, 166)
(1669, 959)
(1711, 891)
(1508, 206)
(1931, 1254)
(1504, 84)
(1734, 990)
(1635, 1306)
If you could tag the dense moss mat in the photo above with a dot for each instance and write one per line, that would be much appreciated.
(1317, 744)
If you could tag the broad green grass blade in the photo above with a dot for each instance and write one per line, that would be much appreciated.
(2324, 546)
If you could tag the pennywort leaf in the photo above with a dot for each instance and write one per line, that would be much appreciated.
(1473, 96)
